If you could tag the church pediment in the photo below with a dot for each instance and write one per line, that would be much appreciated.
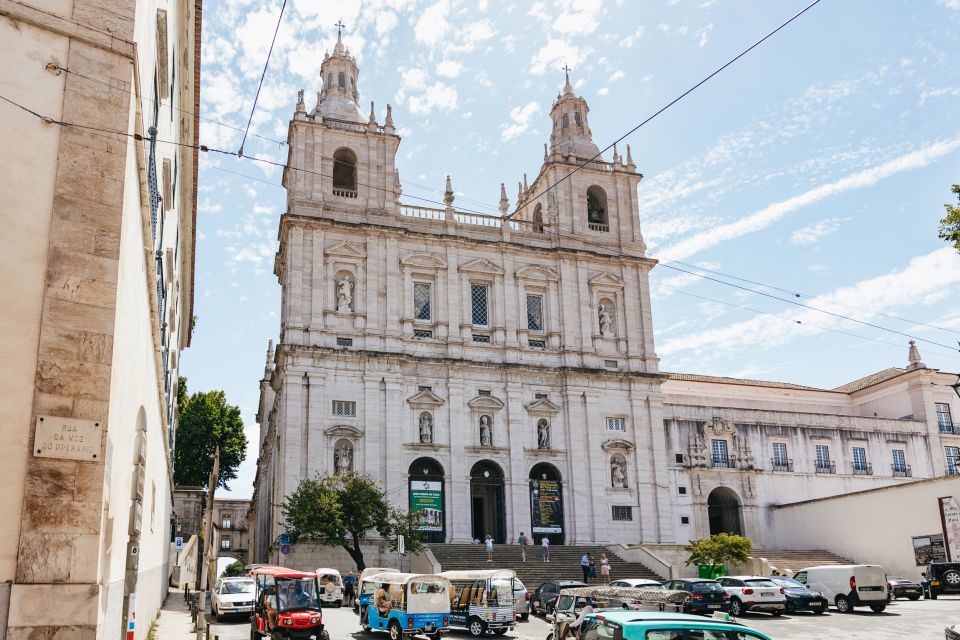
(343, 430)
(543, 406)
(485, 403)
(536, 272)
(425, 398)
(482, 266)
(345, 249)
(606, 279)
(424, 260)
(617, 444)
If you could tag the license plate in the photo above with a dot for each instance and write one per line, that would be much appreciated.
(713, 606)
(428, 627)
(766, 593)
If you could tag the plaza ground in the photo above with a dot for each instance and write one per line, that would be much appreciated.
(920, 620)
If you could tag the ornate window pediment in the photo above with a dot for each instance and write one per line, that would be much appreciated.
(481, 266)
(537, 272)
(424, 261)
(485, 403)
(543, 406)
(719, 427)
(425, 398)
(343, 430)
(617, 444)
(345, 249)
(606, 279)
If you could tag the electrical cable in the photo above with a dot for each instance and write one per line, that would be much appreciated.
(264, 75)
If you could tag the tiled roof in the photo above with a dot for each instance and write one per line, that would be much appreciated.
(870, 380)
(695, 377)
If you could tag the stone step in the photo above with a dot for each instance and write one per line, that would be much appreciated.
(789, 560)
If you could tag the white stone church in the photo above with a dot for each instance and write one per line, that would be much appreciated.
(499, 375)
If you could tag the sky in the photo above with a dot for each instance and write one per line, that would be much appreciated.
(814, 169)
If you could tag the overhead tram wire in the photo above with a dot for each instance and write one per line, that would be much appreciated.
(262, 76)
(671, 103)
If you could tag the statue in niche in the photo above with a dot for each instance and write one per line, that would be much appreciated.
(426, 428)
(486, 433)
(344, 294)
(343, 459)
(595, 212)
(606, 323)
(618, 473)
(543, 434)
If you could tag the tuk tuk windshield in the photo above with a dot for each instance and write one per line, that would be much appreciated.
(297, 593)
(502, 591)
(427, 586)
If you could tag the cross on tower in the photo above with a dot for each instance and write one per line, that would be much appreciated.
(567, 71)
(340, 26)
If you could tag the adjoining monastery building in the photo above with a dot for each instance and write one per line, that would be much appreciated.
(499, 375)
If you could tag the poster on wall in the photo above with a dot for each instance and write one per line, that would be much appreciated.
(950, 520)
(927, 549)
(546, 506)
(426, 504)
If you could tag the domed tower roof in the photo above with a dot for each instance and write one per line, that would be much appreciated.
(340, 98)
(571, 131)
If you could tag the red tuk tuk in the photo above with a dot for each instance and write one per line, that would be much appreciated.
(287, 606)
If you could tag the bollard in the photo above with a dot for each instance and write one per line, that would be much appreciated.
(208, 631)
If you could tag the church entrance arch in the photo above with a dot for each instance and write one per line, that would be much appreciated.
(427, 499)
(723, 510)
(546, 504)
(487, 503)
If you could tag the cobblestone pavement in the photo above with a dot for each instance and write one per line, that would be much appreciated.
(903, 620)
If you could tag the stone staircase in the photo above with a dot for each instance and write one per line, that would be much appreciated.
(564, 562)
(788, 561)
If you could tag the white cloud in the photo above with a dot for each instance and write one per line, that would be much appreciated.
(436, 96)
(449, 68)
(704, 34)
(520, 120)
(209, 207)
(578, 18)
(951, 4)
(603, 91)
(774, 212)
(938, 93)
(820, 229)
(433, 25)
(628, 41)
(616, 75)
(555, 54)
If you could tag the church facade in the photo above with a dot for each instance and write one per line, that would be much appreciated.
(498, 374)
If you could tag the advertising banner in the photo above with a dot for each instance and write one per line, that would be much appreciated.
(950, 520)
(426, 502)
(927, 549)
(546, 506)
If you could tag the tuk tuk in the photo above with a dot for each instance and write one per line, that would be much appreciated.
(331, 587)
(573, 599)
(482, 601)
(407, 604)
(287, 605)
(365, 589)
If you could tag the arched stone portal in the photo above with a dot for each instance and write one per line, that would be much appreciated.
(723, 510)
(546, 504)
(487, 504)
(427, 498)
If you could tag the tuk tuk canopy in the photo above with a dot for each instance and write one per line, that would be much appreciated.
(643, 594)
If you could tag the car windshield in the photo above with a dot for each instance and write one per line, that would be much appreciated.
(517, 585)
(503, 588)
(237, 586)
(329, 578)
(705, 587)
(894, 578)
(427, 586)
(760, 583)
(788, 583)
(297, 593)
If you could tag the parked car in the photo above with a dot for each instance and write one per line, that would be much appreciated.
(634, 583)
(521, 599)
(753, 593)
(646, 625)
(903, 588)
(232, 596)
(848, 585)
(707, 595)
(941, 577)
(545, 596)
(799, 597)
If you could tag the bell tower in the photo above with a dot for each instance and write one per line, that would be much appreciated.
(571, 134)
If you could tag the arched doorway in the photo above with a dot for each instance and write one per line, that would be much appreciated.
(487, 504)
(427, 498)
(546, 504)
(723, 510)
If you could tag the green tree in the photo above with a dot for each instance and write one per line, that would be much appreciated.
(234, 570)
(206, 420)
(950, 225)
(719, 549)
(342, 511)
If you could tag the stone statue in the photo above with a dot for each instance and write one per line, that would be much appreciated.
(486, 433)
(618, 474)
(426, 428)
(543, 435)
(605, 322)
(300, 96)
(344, 295)
(343, 458)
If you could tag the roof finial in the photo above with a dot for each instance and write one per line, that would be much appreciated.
(616, 156)
(629, 158)
(519, 192)
(448, 194)
(525, 187)
(340, 26)
(389, 121)
(504, 203)
(373, 116)
(914, 357)
(567, 88)
(544, 150)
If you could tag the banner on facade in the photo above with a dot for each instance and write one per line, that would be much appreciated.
(927, 549)
(426, 504)
(546, 506)
(950, 520)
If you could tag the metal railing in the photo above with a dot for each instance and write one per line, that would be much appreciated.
(901, 471)
(345, 193)
(826, 467)
(723, 462)
(595, 226)
(862, 469)
(781, 464)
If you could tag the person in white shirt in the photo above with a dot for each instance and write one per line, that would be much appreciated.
(545, 549)
(574, 627)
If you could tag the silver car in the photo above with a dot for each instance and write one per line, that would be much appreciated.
(521, 599)
(233, 596)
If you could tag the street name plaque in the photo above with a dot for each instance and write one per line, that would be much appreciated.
(67, 438)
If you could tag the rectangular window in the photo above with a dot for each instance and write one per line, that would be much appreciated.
(344, 342)
(224, 543)
(534, 312)
(423, 387)
(944, 419)
(483, 392)
(225, 522)
(610, 364)
(482, 338)
(823, 458)
(423, 333)
(345, 408)
(540, 396)
(617, 424)
(779, 454)
(622, 514)
(479, 303)
(953, 454)
(899, 462)
(859, 459)
(537, 344)
(421, 301)
(720, 455)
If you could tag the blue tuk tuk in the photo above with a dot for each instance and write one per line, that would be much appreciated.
(407, 604)
(365, 588)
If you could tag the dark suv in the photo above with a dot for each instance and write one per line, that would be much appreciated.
(941, 577)
(545, 597)
(707, 595)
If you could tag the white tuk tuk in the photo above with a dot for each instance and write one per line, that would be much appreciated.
(482, 601)
(331, 586)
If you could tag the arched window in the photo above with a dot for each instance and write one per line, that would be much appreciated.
(597, 209)
(344, 173)
(566, 120)
(329, 82)
(576, 117)
(538, 219)
(341, 79)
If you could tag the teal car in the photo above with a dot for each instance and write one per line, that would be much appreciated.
(654, 625)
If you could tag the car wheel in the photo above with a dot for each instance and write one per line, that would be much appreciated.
(324, 635)
(736, 609)
(933, 596)
(819, 610)
(777, 612)
(790, 608)
(913, 598)
(877, 608)
(843, 604)
(395, 632)
(524, 616)
(477, 628)
(952, 578)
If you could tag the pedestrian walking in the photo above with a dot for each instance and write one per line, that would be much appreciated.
(545, 549)
(489, 548)
(585, 567)
(349, 586)
(604, 568)
(523, 546)
(593, 567)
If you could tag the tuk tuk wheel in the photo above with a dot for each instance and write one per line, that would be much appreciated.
(396, 633)
(324, 635)
(477, 628)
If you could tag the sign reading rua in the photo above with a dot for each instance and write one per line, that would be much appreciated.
(67, 438)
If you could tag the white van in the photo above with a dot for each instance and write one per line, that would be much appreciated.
(848, 585)
(331, 587)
